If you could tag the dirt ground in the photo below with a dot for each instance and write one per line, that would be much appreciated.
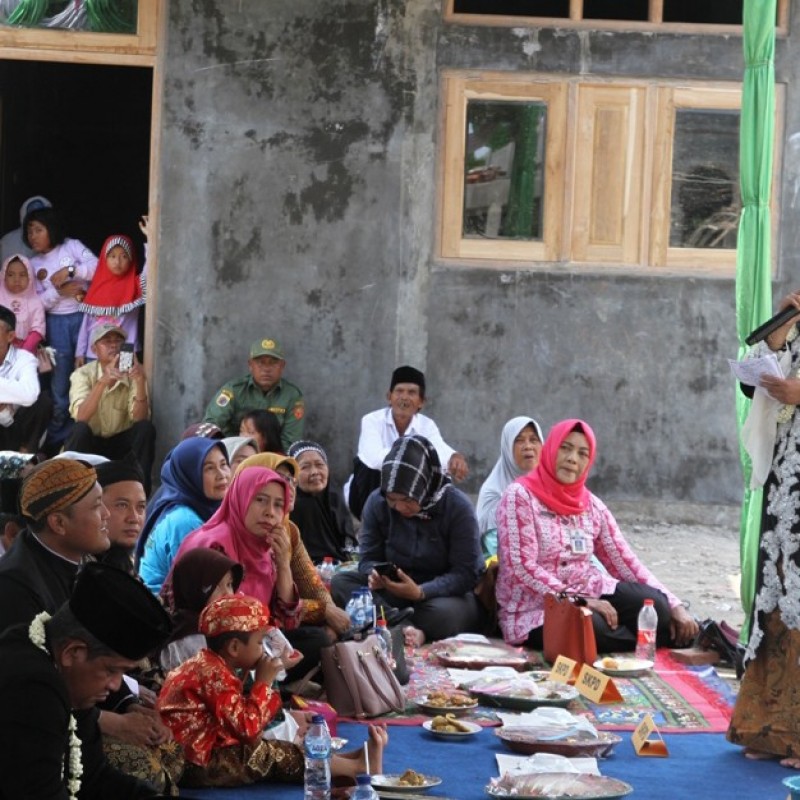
(697, 559)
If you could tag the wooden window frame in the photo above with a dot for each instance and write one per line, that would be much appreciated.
(88, 47)
(576, 20)
(459, 89)
(571, 191)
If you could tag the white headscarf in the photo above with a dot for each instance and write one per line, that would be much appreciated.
(505, 472)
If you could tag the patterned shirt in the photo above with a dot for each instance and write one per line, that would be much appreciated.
(540, 551)
(203, 704)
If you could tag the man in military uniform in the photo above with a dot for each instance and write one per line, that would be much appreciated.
(262, 389)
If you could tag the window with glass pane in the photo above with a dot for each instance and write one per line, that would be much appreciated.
(99, 16)
(504, 170)
(705, 179)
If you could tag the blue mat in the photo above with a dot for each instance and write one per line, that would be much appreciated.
(701, 766)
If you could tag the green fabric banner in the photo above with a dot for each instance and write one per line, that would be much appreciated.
(753, 257)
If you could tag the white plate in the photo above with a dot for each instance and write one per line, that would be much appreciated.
(391, 783)
(626, 667)
(473, 729)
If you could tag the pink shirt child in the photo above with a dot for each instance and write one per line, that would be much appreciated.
(18, 292)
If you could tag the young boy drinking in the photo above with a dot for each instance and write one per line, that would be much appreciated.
(219, 725)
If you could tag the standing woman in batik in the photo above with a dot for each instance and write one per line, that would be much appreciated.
(766, 718)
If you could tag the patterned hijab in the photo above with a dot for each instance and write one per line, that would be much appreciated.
(563, 498)
(113, 295)
(412, 468)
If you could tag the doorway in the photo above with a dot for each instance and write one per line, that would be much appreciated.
(80, 135)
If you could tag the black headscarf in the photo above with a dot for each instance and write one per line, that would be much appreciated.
(412, 468)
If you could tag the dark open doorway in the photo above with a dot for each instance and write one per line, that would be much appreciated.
(80, 135)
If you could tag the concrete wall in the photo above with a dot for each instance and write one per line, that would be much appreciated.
(299, 158)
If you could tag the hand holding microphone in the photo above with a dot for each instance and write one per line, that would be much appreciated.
(789, 310)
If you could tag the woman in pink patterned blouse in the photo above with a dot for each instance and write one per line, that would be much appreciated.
(549, 527)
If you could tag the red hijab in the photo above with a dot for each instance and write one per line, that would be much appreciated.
(541, 481)
(109, 294)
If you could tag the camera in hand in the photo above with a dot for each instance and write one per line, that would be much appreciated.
(125, 357)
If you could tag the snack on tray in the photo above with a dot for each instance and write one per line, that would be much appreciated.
(449, 724)
(444, 699)
(411, 778)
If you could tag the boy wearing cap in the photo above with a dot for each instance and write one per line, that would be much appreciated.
(380, 429)
(110, 407)
(263, 388)
(55, 670)
(204, 705)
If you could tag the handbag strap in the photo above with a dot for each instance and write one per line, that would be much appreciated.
(395, 703)
(349, 679)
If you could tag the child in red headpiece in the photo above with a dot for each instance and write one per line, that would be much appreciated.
(204, 704)
(116, 293)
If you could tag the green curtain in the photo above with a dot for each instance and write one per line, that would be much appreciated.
(753, 260)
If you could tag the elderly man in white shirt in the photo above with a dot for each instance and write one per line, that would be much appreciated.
(380, 429)
(24, 409)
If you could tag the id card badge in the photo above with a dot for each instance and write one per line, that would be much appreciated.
(578, 543)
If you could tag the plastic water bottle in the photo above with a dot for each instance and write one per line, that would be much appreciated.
(317, 780)
(385, 638)
(353, 609)
(646, 632)
(364, 790)
(368, 610)
(326, 571)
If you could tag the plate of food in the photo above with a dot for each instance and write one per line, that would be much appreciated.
(623, 666)
(448, 726)
(441, 702)
(577, 744)
(402, 782)
(474, 655)
(558, 786)
(523, 694)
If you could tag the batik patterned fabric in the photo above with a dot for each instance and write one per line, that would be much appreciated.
(233, 614)
(203, 704)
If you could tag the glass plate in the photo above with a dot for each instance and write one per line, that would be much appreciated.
(524, 740)
(561, 786)
(562, 696)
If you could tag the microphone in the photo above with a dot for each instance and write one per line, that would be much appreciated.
(772, 324)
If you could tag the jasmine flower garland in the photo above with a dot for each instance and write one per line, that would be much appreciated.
(38, 636)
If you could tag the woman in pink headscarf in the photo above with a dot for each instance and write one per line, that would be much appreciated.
(549, 527)
(249, 528)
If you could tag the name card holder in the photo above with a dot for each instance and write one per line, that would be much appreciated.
(596, 686)
(642, 742)
(564, 670)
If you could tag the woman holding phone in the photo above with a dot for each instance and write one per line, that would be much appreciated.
(425, 528)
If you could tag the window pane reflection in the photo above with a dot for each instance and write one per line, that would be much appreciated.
(705, 179)
(98, 16)
(504, 170)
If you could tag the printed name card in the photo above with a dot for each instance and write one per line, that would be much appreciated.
(596, 686)
(564, 670)
(643, 744)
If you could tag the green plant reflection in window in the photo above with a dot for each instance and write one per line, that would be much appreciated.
(504, 170)
(100, 16)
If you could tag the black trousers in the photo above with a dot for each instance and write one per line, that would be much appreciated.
(437, 617)
(30, 422)
(138, 440)
(628, 599)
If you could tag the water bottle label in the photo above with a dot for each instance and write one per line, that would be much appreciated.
(645, 637)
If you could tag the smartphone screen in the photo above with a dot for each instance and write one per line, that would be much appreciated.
(125, 357)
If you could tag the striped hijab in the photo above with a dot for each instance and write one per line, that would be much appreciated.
(412, 468)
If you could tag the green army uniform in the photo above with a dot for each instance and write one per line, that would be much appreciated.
(241, 395)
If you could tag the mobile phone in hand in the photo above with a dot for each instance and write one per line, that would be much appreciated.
(387, 570)
(125, 357)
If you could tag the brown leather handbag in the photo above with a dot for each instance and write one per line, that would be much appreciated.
(359, 681)
(568, 629)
